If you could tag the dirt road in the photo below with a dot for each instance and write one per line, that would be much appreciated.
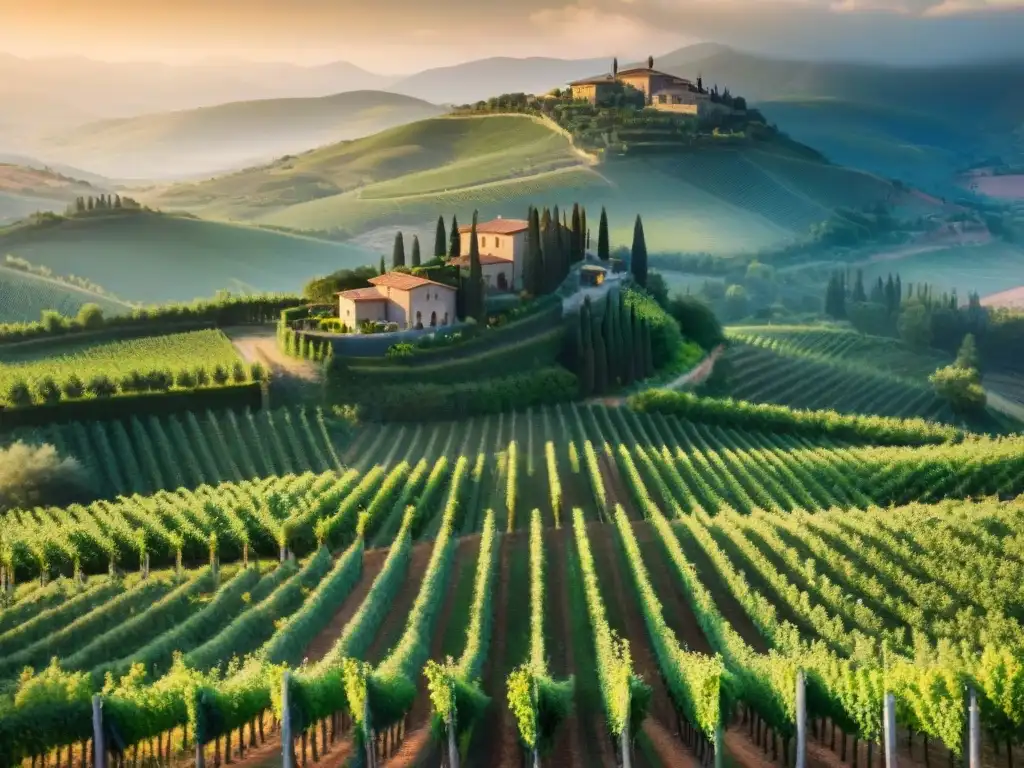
(259, 344)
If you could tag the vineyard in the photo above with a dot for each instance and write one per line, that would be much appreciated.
(701, 569)
(24, 297)
(838, 370)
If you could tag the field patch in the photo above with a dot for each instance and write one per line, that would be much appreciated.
(206, 349)
(153, 258)
(24, 297)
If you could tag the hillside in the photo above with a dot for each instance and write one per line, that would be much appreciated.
(725, 200)
(219, 138)
(25, 190)
(150, 257)
(24, 296)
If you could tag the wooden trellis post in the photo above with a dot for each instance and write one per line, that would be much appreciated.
(100, 752)
(801, 720)
(286, 723)
(889, 722)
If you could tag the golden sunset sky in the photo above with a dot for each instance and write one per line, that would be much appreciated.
(397, 36)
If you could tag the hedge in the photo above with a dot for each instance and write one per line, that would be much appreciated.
(238, 396)
(235, 310)
(443, 402)
(878, 430)
(527, 354)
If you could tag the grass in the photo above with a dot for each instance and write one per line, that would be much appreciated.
(174, 352)
(23, 297)
(721, 201)
(152, 258)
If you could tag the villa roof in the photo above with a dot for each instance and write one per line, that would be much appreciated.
(645, 71)
(362, 294)
(595, 80)
(499, 227)
(485, 259)
(400, 281)
(592, 268)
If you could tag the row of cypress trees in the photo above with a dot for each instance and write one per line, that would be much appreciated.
(614, 350)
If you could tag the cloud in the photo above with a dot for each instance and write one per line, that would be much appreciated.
(593, 30)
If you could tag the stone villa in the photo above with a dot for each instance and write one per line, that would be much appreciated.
(395, 297)
(502, 246)
(663, 91)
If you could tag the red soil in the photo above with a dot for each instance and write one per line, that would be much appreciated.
(614, 488)
(418, 735)
(391, 630)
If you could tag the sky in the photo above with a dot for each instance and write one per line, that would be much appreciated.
(402, 36)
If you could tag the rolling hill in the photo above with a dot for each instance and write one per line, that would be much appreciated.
(25, 190)
(24, 296)
(722, 201)
(228, 136)
(151, 257)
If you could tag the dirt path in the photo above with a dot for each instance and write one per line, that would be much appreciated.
(620, 599)
(615, 489)
(499, 727)
(391, 630)
(418, 737)
(259, 344)
(693, 377)
(569, 747)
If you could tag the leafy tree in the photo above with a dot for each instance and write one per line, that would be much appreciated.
(960, 387)
(322, 290)
(398, 252)
(603, 247)
(638, 254)
(101, 386)
(53, 322)
(455, 242)
(967, 356)
(696, 321)
(440, 239)
(36, 475)
(915, 326)
(90, 316)
(415, 250)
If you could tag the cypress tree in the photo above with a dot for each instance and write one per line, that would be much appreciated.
(383, 269)
(610, 334)
(584, 234)
(398, 253)
(548, 253)
(576, 237)
(415, 250)
(639, 364)
(454, 245)
(586, 356)
(476, 306)
(600, 360)
(440, 239)
(627, 317)
(899, 291)
(603, 247)
(648, 353)
(638, 255)
(533, 264)
(859, 295)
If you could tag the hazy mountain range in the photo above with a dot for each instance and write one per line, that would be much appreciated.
(176, 120)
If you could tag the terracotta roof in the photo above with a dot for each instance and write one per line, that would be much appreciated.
(596, 80)
(646, 71)
(485, 258)
(499, 227)
(362, 294)
(403, 282)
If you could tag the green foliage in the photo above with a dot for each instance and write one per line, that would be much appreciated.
(36, 475)
(638, 254)
(960, 387)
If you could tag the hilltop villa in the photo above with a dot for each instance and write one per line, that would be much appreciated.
(502, 246)
(395, 297)
(663, 91)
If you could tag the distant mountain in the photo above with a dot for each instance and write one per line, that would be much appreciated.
(208, 140)
(57, 94)
(25, 190)
(475, 80)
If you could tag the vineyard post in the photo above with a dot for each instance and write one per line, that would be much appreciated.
(719, 744)
(453, 749)
(286, 723)
(974, 717)
(801, 719)
(100, 752)
(889, 722)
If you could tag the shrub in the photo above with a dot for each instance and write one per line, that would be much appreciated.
(202, 377)
(238, 372)
(159, 381)
(53, 322)
(19, 394)
(403, 349)
(90, 316)
(220, 375)
(101, 386)
(185, 379)
(33, 476)
(73, 387)
(48, 390)
(960, 387)
(257, 372)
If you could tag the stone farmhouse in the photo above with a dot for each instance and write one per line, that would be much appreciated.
(662, 90)
(395, 297)
(502, 246)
